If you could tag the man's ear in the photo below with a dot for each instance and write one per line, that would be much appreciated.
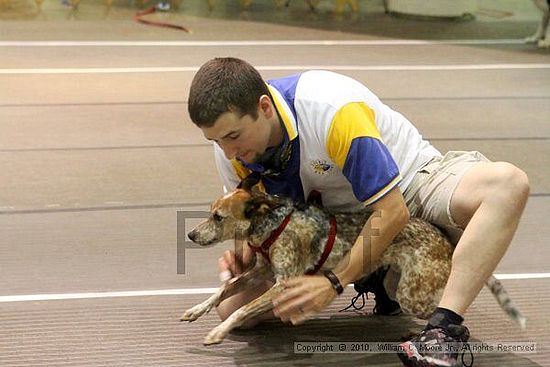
(266, 106)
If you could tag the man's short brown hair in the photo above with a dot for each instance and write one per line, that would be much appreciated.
(222, 85)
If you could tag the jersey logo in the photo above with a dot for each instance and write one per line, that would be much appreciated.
(321, 167)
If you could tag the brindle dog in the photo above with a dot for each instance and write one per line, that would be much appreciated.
(420, 253)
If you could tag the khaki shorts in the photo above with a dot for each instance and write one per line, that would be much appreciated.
(429, 193)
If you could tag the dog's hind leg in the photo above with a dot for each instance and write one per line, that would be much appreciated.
(255, 276)
(247, 312)
(419, 294)
(422, 279)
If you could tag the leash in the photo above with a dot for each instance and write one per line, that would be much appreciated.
(140, 14)
(264, 248)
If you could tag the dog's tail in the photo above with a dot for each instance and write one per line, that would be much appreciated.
(505, 302)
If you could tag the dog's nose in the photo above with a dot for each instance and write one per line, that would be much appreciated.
(192, 235)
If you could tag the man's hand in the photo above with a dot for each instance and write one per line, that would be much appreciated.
(232, 263)
(303, 297)
(308, 295)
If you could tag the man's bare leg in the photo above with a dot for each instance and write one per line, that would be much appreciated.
(488, 203)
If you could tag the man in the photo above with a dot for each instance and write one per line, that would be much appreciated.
(326, 132)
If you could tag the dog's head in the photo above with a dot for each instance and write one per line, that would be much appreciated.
(231, 216)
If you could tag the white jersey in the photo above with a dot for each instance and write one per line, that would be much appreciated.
(344, 143)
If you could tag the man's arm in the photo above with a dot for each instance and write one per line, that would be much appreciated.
(307, 295)
(389, 217)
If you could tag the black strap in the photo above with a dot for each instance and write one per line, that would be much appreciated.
(334, 281)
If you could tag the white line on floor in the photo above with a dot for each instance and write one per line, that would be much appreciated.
(184, 291)
(279, 67)
(522, 276)
(396, 42)
(64, 296)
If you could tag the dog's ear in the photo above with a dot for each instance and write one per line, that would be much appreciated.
(249, 181)
(257, 205)
(261, 203)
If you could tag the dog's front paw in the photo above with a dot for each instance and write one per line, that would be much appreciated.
(216, 336)
(195, 312)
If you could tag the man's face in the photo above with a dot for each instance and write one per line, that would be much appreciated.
(240, 137)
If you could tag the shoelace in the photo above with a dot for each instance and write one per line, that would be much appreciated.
(364, 298)
(467, 346)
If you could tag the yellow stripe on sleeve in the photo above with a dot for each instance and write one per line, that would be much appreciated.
(383, 192)
(353, 120)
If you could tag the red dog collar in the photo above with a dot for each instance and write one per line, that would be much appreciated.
(264, 248)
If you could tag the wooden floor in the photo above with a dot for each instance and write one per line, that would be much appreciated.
(97, 156)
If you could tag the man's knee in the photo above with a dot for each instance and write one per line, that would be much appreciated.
(224, 311)
(233, 303)
(510, 183)
(496, 183)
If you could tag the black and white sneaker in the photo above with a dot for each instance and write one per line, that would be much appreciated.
(437, 347)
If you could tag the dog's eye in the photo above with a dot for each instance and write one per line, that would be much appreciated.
(217, 217)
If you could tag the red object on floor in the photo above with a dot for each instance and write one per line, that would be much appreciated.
(140, 14)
